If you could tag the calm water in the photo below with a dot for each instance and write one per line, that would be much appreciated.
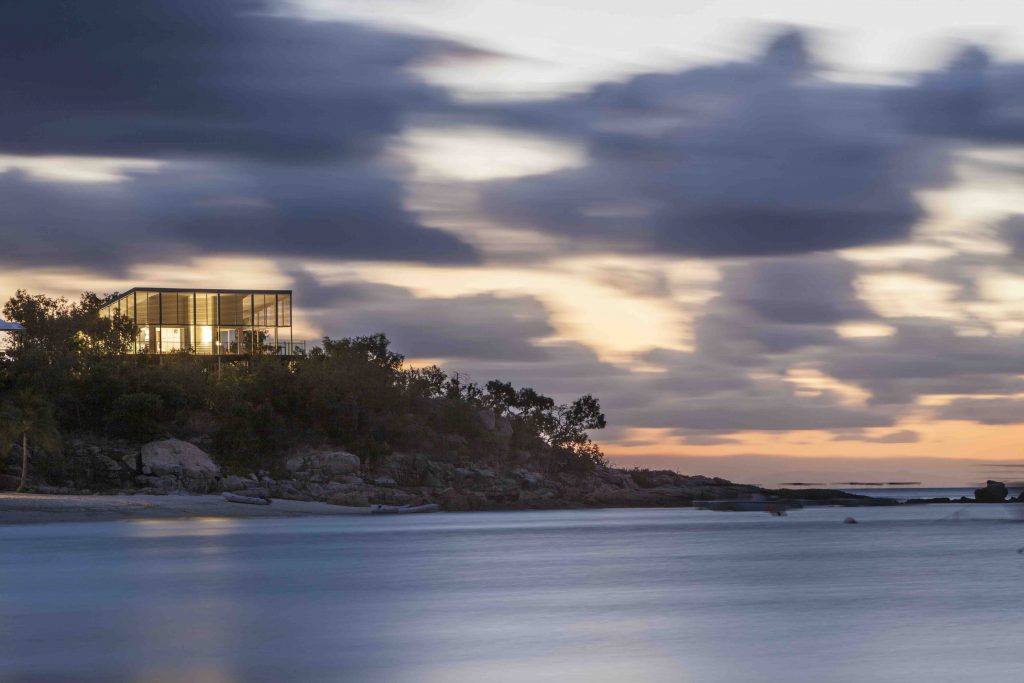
(910, 594)
(906, 493)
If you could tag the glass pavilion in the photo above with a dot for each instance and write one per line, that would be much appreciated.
(209, 322)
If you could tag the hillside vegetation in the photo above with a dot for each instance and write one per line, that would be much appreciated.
(72, 373)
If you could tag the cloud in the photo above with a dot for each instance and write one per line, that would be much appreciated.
(707, 440)
(989, 411)
(927, 357)
(236, 78)
(898, 436)
(269, 131)
(478, 327)
(973, 99)
(339, 211)
(770, 406)
(1012, 231)
(749, 159)
(817, 290)
(778, 305)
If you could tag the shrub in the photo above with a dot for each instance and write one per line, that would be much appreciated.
(136, 416)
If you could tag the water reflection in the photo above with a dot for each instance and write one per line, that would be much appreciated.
(653, 595)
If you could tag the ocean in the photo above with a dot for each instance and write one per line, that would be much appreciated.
(922, 593)
(921, 492)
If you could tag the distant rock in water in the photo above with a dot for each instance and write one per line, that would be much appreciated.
(994, 492)
(849, 520)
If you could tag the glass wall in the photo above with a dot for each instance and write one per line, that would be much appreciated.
(208, 322)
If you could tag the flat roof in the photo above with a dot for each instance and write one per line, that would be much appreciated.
(208, 290)
(10, 327)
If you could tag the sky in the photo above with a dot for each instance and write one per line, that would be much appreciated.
(777, 240)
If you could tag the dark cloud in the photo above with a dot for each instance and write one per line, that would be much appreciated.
(742, 159)
(771, 405)
(973, 99)
(777, 306)
(167, 78)
(927, 357)
(690, 373)
(989, 411)
(474, 327)
(271, 127)
(1012, 231)
(773, 315)
(339, 211)
(898, 436)
(818, 290)
(707, 440)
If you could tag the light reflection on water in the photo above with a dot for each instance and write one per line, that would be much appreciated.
(930, 593)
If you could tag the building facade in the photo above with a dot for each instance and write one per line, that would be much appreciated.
(210, 322)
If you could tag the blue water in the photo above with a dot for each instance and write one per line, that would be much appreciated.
(931, 593)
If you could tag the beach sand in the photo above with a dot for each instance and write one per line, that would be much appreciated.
(29, 508)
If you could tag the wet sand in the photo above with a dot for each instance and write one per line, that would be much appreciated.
(30, 508)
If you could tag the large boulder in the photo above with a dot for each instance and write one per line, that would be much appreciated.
(236, 483)
(994, 492)
(323, 465)
(416, 469)
(180, 461)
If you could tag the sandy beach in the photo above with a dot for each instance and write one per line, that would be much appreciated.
(28, 508)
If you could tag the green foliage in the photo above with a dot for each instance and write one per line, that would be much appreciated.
(27, 416)
(353, 392)
(136, 416)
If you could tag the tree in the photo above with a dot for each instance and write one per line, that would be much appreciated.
(27, 415)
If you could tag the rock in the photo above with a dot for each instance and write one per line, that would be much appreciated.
(349, 498)
(617, 478)
(132, 462)
(994, 492)
(529, 479)
(252, 492)
(287, 489)
(177, 458)
(172, 465)
(333, 488)
(849, 520)
(486, 418)
(326, 465)
(109, 464)
(503, 425)
(414, 470)
(236, 483)
(391, 496)
(162, 484)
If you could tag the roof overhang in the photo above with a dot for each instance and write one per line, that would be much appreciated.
(11, 327)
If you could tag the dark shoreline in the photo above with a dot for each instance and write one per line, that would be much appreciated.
(35, 508)
(341, 479)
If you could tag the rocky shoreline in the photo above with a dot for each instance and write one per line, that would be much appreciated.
(340, 478)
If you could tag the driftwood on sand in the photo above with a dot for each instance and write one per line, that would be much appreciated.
(402, 509)
(248, 500)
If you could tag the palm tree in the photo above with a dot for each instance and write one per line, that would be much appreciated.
(29, 415)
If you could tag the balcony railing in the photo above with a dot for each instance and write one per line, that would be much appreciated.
(283, 348)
